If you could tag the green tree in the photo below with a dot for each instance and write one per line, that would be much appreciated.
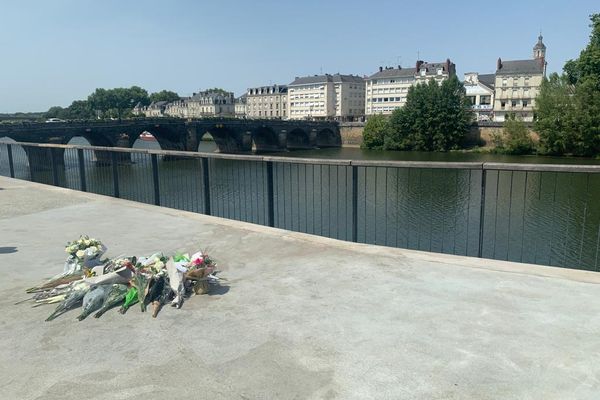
(588, 63)
(514, 139)
(375, 131)
(164, 95)
(55, 112)
(436, 117)
(118, 101)
(568, 106)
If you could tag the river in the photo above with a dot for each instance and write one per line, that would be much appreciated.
(550, 218)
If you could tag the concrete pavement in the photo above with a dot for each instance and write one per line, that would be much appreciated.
(303, 317)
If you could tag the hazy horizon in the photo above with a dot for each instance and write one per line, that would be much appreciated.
(60, 51)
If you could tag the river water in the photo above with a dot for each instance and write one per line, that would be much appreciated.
(550, 218)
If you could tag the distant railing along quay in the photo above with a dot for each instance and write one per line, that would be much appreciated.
(537, 213)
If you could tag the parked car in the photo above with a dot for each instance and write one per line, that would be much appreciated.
(51, 120)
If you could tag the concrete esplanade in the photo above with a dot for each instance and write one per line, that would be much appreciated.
(300, 317)
(230, 135)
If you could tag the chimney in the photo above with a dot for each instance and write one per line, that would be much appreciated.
(399, 67)
(499, 64)
(380, 69)
(418, 65)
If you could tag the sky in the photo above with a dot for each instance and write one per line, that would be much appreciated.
(55, 51)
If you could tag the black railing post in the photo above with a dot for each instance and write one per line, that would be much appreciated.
(481, 212)
(115, 171)
(154, 158)
(270, 195)
(206, 184)
(11, 165)
(54, 167)
(354, 203)
(82, 180)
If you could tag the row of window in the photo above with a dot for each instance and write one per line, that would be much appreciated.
(515, 103)
(515, 81)
(388, 90)
(385, 99)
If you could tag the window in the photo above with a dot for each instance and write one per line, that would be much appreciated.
(485, 100)
(525, 103)
(502, 105)
(471, 100)
(516, 81)
(504, 82)
(514, 103)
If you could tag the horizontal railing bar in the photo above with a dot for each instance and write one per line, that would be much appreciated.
(417, 164)
(341, 162)
(298, 160)
(542, 167)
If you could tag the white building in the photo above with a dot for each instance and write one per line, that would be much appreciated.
(480, 93)
(339, 97)
(210, 103)
(240, 106)
(267, 102)
(518, 84)
(386, 90)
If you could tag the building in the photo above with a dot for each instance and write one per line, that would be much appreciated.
(267, 102)
(209, 103)
(480, 93)
(518, 84)
(339, 97)
(240, 106)
(386, 90)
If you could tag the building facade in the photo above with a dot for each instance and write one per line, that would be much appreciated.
(210, 103)
(517, 84)
(336, 97)
(386, 90)
(267, 102)
(240, 106)
(479, 90)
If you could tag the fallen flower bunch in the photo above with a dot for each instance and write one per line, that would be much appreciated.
(98, 285)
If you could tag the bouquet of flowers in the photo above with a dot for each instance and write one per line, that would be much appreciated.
(103, 284)
(84, 254)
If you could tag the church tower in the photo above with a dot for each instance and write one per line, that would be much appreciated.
(539, 50)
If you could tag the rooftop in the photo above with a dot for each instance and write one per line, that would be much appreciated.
(304, 317)
(520, 67)
(336, 78)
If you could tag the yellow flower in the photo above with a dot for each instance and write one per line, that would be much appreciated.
(80, 253)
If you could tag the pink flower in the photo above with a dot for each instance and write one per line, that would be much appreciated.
(197, 261)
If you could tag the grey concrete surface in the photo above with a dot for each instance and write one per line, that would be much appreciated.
(303, 317)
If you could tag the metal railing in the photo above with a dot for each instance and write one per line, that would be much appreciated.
(536, 213)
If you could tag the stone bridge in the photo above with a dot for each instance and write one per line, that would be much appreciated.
(230, 135)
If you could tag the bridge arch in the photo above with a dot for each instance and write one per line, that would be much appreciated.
(265, 139)
(206, 143)
(226, 139)
(298, 138)
(19, 156)
(328, 138)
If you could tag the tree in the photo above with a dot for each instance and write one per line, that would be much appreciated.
(164, 95)
(568, 106)
(515, 138)
(555, 115)
(588, 63)
(374, 132)
(118, 101)
(436, 117)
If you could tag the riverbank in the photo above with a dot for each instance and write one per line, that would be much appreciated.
(303, 317)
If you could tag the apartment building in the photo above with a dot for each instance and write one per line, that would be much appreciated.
(267, 102)
(480, 93)
(386, 90)
(339, 97)
(518, 83)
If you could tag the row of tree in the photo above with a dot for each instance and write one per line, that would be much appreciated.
(110, 103)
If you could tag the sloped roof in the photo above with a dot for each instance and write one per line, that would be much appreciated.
(336, 78)
(394, 73)
(521, 67)
(488, 80)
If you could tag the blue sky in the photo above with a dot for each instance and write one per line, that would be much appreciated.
(55, 51)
